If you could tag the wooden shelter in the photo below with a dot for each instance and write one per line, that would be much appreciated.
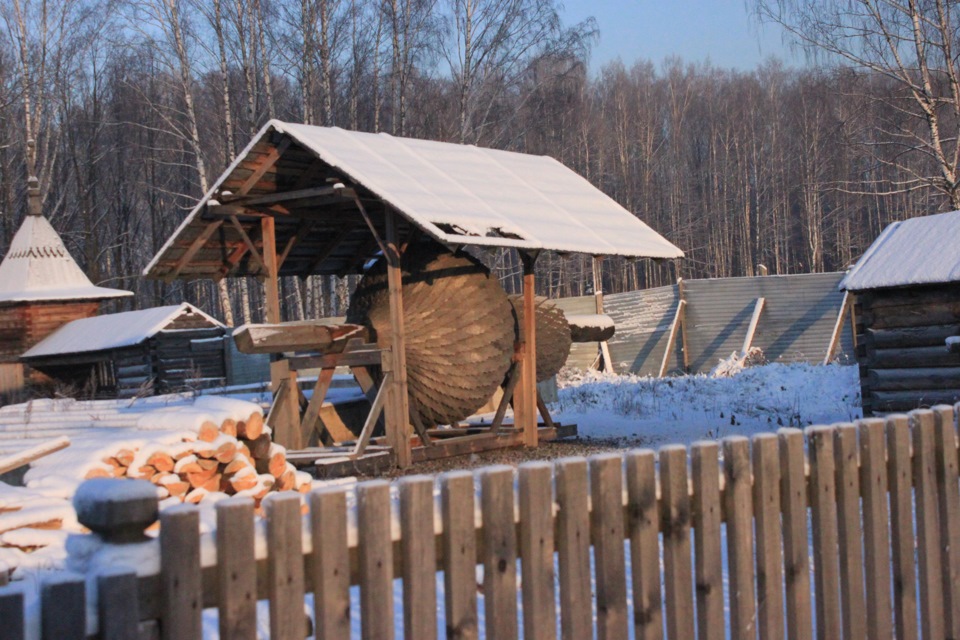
(41, 289)
(907, 291)
(157, 350)
(303, 200)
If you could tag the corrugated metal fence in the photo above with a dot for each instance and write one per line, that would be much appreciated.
(796, 323)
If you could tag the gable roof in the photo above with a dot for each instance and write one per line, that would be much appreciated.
(39, 267)
(923, 250)
(112, 331)
(456, 194)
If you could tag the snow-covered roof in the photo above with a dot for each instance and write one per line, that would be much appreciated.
(111, 331)
(457, 194)
(922, 250)
(39, 267)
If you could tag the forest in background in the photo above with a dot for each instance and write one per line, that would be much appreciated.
(136, 106)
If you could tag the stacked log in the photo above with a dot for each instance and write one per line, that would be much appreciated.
(232, 458)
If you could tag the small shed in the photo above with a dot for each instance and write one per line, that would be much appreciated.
(162, 349)
(907, 288)
(41, 289)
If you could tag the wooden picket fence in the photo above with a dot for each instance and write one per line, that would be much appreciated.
(878, 500)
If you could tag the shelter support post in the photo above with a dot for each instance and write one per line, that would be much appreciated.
(845, 308)
(525, 398)
(397, 409)
(598, 299)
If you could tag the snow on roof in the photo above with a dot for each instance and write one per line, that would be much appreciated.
(923, 250)
(39, 267)
(464, 194)
(111, 331)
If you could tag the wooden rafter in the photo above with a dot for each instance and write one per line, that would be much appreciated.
(329, 248)
(194, 247)
(369, 221)
(265, 165)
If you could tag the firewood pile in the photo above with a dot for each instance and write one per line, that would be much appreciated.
(236, 458)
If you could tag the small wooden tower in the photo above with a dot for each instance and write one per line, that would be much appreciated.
(41, 289)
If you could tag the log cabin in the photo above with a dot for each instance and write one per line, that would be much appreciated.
(907, 291)
(151, 351)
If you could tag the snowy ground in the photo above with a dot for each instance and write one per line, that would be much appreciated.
(681, 410)
(623, 410)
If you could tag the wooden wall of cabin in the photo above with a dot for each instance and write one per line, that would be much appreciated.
(188, 358)
(23, 325)
(901, 347)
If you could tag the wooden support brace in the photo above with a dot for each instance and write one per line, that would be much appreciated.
(838, 328)
(508, 391)
(752, 329)
(251, 247)
(195, 247)
(675, 326)
(311, 416)
(284, 416)
(375, 410)
(542, 408)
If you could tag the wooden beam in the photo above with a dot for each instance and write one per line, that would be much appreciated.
(265, 164)
(752, 329)
(251, 247)
(598, 299)
(525, 402)
(376, 409)
(271, 283)
(388, 214)
(672, 338)
(279, 196)
(398, 408)
(838, 328)
(284, 416)
(311, 416)
(329, 248)
(194, 247)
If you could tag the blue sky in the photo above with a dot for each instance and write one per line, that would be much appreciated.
(722, 31)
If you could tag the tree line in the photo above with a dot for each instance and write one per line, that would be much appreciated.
(136, 106)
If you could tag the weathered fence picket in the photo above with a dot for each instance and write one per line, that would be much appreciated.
(884, 518)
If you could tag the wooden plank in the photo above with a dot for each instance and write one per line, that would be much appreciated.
(375, 551)
(281, 196)
(285, 579)
(236, 569)
(17, 460)
(535, 484)
(330, 568)
(459, 555)
(766, 507)
(926, 503)
(266, 163)
(849, 529)
(914, 378)
(676, 521)
(194, 248)
(375, 410)
(499, 552)
(823, 505)
(752, 328)
(876, 537)
(284, 416)
(418, 558)
(738, 507)
(12, 613)
(63, 608)
(707, 513)
(463, 445)
(353, 359)
(793, 501)
(901, 527)
(948, 477)
(607, 533)
(181, 592)
(118, 610)
(397, 407)
(573, 547)
(643, 528)
(837, 332)
(683, 326)
(672, 338)
(311, 417)
(316, 335)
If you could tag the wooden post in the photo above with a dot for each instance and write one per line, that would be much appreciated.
(281, 420)
(271, 283)
(752, 329)
(397, 409)
(525, 398)
(845, 308)
(672, 338)
(598, 299)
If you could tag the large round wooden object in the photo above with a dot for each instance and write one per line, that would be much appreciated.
(553, 335)
(459, 330)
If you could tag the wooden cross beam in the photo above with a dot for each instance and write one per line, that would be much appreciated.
(248, 242)
(194, 247)
(306, 226)
(280, 196)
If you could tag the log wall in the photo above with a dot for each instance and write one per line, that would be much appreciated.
(901, 349)
(23, 325)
